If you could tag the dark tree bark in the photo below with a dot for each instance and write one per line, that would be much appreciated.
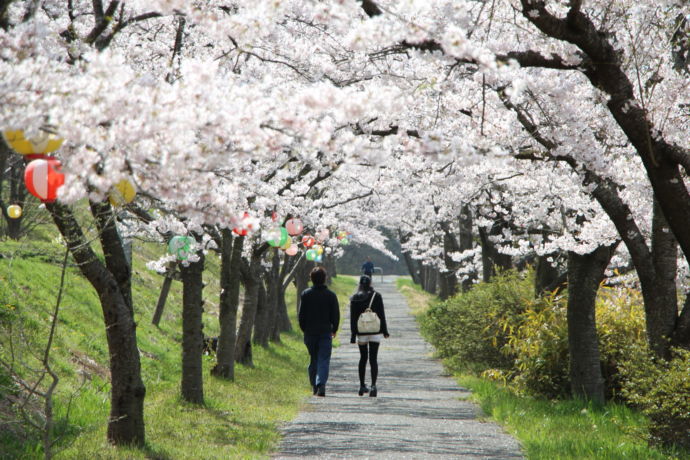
(126, 421)
(412, 265)
(329, 264)
(262, 320)
(287, 274)
(162, 299)
(491, 257)
(663, 312)
(448, 280)
(250, 274)
(546, 275)
(12, 169)
(192, 385)
(304, 267)
(466, 241)
(429, 279)
(585, 274)
(231, 257)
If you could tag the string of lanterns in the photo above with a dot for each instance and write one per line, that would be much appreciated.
(43, 178)
(43, 175)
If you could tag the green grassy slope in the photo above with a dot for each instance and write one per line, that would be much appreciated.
(239, 419)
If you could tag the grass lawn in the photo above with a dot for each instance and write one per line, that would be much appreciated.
(239, 419)
(549, 430)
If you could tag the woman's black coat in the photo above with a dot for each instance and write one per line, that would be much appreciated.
(358, 303)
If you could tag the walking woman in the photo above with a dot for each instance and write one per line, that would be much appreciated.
(368, 342)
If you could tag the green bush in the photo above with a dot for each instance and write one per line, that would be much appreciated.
(466, 329)
(621, 328)
(661, 390)
(500, 329)
(538, 341)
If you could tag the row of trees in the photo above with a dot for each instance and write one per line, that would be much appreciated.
(548, 131)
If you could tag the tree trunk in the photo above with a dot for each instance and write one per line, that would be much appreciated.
(192, 331)
(284, 324)
(262, 321)
(466, 242)
(412, 268)
(304, 267)
(162, 298)
(17, 192)
(448, 281)
(126, 421)
(430, 279)
(545, 274)
(251, 280)
(491, 257)
(329, 263)
(585, 274)
(231, 257)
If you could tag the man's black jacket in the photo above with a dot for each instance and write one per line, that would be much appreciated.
(318, 311)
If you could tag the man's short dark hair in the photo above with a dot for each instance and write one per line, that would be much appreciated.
(318, 276)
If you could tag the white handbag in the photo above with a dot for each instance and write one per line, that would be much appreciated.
(369, 322)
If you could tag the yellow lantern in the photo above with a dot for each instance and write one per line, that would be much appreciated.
(287, 244)
(14, 211)
(319, 249)
(122, 193)
(41, 144)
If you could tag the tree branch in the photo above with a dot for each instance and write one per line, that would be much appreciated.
(371, 8)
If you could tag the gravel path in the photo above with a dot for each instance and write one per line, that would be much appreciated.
(418, 413)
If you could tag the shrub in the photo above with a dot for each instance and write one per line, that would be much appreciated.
(621, 328)
(539, 344)
(466, 329)
(661, 390)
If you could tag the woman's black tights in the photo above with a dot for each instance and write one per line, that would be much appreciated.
(372, 351)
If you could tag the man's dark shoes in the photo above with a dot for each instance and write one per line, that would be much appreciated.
(363, 389)
(321, 390)
(313, 389)
(373, 392)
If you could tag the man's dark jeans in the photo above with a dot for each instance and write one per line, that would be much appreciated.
(319, 346)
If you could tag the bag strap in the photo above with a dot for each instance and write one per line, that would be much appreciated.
(371, 302)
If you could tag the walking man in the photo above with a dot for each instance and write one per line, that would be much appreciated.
(319, 317)
(368, 267)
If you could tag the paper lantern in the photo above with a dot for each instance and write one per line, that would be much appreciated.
(318, 249)
(122, 193)
(181, 246)
(245, 225)
(287, 244)
(342, 234)
(43, 178)
(292, 250)
(345, 241)
(14, 211)
(322, 235)
(318, 259)
(277, 236)
(39, 145)
(310, 254)
(294, 226)
(308, 241)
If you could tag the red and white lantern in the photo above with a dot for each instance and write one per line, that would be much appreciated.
(294, 226)
(245, 225)
(308, 241)
(43, 178)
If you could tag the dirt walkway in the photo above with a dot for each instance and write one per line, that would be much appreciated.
(417, 414)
